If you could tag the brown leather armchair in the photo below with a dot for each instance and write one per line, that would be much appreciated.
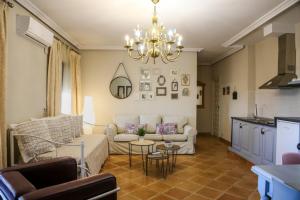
(54, 179)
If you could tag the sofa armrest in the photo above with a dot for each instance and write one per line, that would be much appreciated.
(85, 188)
(49, 172)
(110, 131)
(13, 185)
(190, 132)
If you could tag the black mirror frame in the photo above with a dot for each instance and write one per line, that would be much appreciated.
(126, 87)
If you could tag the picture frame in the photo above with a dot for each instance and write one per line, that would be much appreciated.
(161, 91)
(173, 72)
(145, 74)
(185, 79)
(185, 92)
(228, 90)
(174, 86)
(150, 96)
(145, 86)
(161, 80)
(174, 96)
(143, 96)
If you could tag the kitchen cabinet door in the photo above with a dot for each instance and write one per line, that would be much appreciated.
(256, 144)
(287, 139)
(236, 135)
(268, 145)
(245, 139)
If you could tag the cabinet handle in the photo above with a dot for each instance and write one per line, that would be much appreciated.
(298, 146)
(262, 131)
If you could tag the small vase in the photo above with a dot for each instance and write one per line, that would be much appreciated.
(141, 138)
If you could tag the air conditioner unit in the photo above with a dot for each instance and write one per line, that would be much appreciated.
(28, 26)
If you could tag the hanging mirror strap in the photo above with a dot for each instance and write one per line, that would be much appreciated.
(121, 65)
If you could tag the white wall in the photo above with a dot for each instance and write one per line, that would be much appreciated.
(98, 68)
(26, 74)
(233, 72)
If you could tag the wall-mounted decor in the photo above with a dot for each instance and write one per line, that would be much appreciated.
(185, 92)
(228, 90)
(185, 79)
(173, 72)
(120, 86)
(224, 90)
(143, 96)
(150, 96)
(161, 80)
(234, 95)
(145, 74)
(161, 91)
(145, 86)
(174, 96)
(200, 94)
(174, 86)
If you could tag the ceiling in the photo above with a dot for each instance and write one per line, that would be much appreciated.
(99, 24)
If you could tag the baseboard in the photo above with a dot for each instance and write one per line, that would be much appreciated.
(224, 141)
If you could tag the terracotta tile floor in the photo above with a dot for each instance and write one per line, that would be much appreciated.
(212, 173)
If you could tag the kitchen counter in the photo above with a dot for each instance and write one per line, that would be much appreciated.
(289, 119)
(261, 121)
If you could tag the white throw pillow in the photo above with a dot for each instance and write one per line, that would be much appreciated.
(151, 121)
(77, 125)
(181, 121)
(122, 120)
(31, 146)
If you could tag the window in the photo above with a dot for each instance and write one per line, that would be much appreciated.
(66, 99)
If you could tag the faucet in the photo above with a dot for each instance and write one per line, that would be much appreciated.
(255, 114)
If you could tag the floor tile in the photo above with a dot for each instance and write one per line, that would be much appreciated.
(209, 193)
(177, 193)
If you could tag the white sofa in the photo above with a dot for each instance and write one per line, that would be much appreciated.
(90, 150)
(119, 139)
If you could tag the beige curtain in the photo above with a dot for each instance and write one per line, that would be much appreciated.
(3, 52)
(75, 83)
(54, 79)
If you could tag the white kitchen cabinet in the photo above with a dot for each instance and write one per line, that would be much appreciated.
(256, 146)
(254, 142)
(287, 138)
(245, 138)
(236, 135)
(268, 145)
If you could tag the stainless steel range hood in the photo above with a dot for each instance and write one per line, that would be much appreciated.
(286, 63)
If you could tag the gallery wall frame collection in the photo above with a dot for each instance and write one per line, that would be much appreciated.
(154, 83)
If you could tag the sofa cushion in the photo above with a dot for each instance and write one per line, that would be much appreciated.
(124, 137)
(166, 129)
(77, 125)
(181, 121)
(175, 137)
(122, 120)
(150, 121)
(31, 146)
(60, 128)
(154, 137)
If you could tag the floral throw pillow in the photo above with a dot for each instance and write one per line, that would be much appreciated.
(133, 128)
(166, 129)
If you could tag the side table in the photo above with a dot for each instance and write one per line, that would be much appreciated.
(170, 151)
(141, 144)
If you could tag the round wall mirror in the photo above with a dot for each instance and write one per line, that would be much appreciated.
(120, 87)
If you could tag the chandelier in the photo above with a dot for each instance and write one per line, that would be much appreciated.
(154, 42)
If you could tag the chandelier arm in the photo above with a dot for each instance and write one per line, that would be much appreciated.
(135, 58)
(172, 59)
(163, 59)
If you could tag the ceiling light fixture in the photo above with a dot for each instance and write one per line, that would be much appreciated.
(154, 42)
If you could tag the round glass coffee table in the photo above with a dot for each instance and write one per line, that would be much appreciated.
(171, 151)
(142, 144)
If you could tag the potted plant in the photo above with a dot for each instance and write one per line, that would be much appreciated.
(141, 133)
